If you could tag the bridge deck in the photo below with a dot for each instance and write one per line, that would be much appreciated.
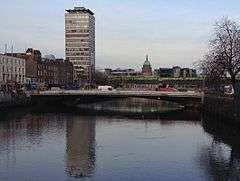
(119, 93)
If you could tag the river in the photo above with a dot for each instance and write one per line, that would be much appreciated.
(96, 142)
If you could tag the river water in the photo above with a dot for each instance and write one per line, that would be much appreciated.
(94, 142)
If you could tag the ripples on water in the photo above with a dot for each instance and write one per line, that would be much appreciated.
(70, 146)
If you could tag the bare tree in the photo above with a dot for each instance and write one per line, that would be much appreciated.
(223, 58)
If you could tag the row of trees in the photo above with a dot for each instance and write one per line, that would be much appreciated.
(223, 58)
(101, 78)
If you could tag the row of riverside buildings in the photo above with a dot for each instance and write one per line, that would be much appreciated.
(174, 72)
(30, 69)
(160, 79)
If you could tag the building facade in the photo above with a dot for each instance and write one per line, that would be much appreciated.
(47, 73)
(147, 68)
(64, 73)
(175, 72)
(80, 43)
(56, 72)
(187, 72)
(121, 72)
(164, 72)
(32, 57)
(155, 83)
(12, 71)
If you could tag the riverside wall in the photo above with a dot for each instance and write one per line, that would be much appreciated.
(224, 108)
(9, 100)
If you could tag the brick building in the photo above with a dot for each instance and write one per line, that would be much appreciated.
(47, 72)
(32, 57)
(56, 72)
(64, 73)
(51, 72)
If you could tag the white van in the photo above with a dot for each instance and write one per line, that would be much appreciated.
(105, 88)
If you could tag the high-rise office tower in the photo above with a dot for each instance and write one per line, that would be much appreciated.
(80, 43)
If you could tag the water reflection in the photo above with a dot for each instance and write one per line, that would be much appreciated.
(131, 106)
(25, 136)
(80, 143)
(221, 158)
(28, 127)
(136, 108)
(23, 139)
(69, 146)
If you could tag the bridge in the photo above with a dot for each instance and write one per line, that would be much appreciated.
(187, 99)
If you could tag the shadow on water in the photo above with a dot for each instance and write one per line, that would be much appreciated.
(135, 108)
(221, 159)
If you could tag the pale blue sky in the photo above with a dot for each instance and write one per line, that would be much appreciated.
(172, 32)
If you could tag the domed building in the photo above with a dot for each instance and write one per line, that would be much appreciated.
(147, 68)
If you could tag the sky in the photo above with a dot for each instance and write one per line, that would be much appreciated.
(171, 32)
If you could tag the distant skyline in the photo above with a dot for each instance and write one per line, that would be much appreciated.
(171, 32)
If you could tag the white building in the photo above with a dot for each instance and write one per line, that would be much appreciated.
(80, 42)
(12, 70)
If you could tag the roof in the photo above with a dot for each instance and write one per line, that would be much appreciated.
(11, 56)
(79, 10)
(147, 63)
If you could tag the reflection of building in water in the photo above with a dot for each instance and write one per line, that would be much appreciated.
(26, 131)
(221, 159)
(80, 153)
(130, 106)
(29, 127)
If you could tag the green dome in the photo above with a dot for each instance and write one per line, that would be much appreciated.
(147, 63)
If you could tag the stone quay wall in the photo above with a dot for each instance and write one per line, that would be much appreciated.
(8, 100)
(225, 108)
